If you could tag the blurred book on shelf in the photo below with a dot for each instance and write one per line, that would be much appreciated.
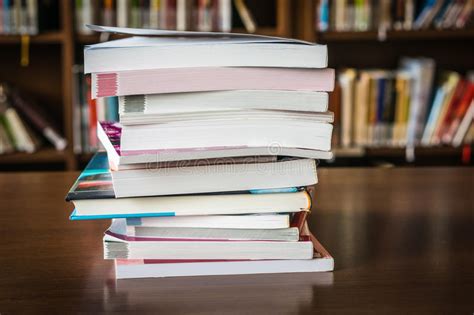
(384, 15)
(28, 17)
(405, 107)
(181, 15)
(24, 126)
(87, 111)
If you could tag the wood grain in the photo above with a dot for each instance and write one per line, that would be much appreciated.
(401, 238)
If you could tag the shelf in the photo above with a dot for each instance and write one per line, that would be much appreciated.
(395, 35)
(44, 38)
(46, 155)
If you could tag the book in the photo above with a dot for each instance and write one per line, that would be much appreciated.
(246, 16)
(224, 18)
(346, 81)
(189, 51)
(464, 126)
(194, 119)
(460, 112)
(110, 134)
(152, 234)
(154, 81)
(214, 178)
(117, 247)
(256, 221)
(223, 100)
(311, 132)
(440, 103)
(144, 268)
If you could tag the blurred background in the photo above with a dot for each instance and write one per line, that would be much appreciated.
(404, 92)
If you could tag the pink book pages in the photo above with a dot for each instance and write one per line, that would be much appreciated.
(158, 81)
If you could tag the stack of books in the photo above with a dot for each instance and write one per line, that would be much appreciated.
(364, 15)
(403, 107)
(210, 168)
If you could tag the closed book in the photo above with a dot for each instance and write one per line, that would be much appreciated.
(464, 126)
(361, 109)
(460, 112)
(256, 221)
(144, 268)
(224, 22)
(306, 132)
(346, 81)
(139, 233)
(110, 134)
(441, 100)
(137, 82)
(186, 50)
(150, 104)
(117, 247)
(214, 178)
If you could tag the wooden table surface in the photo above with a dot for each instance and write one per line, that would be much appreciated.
(402, 240)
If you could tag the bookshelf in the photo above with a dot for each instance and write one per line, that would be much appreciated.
(52, 54)
(48, 77)
(451, 50)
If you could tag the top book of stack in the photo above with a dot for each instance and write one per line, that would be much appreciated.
(161, 49)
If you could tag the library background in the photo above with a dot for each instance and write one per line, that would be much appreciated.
(405, 73)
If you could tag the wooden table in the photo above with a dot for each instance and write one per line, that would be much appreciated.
(402, 240)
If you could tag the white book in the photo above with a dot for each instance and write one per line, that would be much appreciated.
(291, 133)
(119, 158)
(256, 221)
(225, 15)
(128, 269)
(182, 15)
(122, 13)
(117, 248)
(305, 101)
(346, 80)
(146, 233)
(214, 178)
(172, 207)
(191, 119)
(215, 50)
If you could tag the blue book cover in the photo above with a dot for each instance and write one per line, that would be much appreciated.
(111, 112)
(380, 99)
(95, 182)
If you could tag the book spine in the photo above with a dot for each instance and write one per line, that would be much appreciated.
(182, 12)
(122, 13)
(225, 16)
(322, 23)
(246, 16)
(1, 18)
